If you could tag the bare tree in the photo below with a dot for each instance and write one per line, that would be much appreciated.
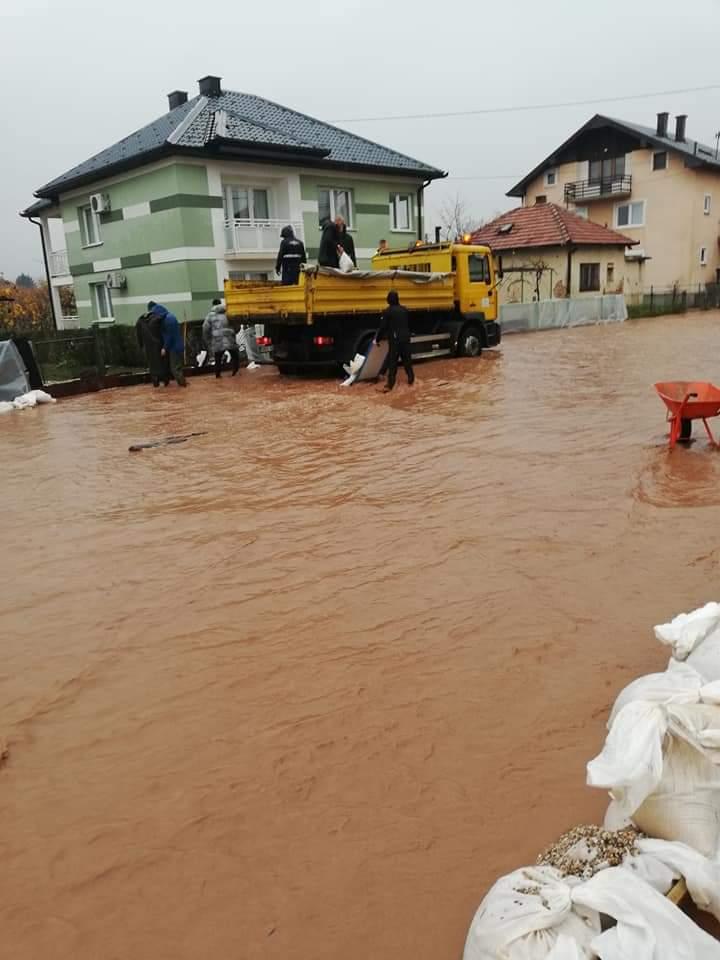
(456, 218)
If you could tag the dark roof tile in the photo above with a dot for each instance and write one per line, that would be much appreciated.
(247, 119)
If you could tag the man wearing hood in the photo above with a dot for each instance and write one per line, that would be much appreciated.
(172, 341)
(290, 255)
(345, 240)
(219, 337)
(328, 252)
(149, 339)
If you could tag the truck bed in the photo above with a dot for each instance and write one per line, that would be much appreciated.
(324, 292)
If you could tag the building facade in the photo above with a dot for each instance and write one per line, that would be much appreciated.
(201, 195)
(653, 184)
(548, 252)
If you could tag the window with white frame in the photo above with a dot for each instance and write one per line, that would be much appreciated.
(103, 301)
(630, 214)
(703, 256)
(89, 226)
(581, 212)
(550, 178)
(246, 203)
(401, 211)
(707, 204)
(335, 202)
(660, 160)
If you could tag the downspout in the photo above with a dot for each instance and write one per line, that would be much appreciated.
(47, 270)
(568, 284)
(420, 205)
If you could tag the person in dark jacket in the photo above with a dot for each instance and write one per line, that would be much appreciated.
(328, 254)
(149, 340)
(345, 240)
(173, 346)
(395, 325)
(290, 256)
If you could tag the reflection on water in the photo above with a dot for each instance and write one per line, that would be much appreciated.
(302, 687)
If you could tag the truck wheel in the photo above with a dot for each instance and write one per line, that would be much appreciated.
(470, 342)
(285, 369)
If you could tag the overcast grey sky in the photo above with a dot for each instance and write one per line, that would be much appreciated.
(76, 75)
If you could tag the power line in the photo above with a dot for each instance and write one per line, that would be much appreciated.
(535, 106)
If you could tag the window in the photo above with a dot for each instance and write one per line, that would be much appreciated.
(589, 277)
(550, 178)
(660, 160)
(630, 214)
(541, 198)
(103, 301)
(707, 203)
(581, 212)
(703, 256)
(246, 203)
(89, 227)
(611, 273)
(608, 169)
(400, 211)
(479, 268)
(335, 203)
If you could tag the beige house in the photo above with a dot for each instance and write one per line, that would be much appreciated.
(547, 251)
(654, 185)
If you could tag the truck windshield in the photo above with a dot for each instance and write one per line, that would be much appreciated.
(479, 268)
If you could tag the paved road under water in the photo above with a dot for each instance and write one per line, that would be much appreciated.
(303, 687)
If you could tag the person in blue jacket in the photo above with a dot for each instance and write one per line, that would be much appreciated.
(172, 342)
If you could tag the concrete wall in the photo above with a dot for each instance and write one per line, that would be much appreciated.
(675, 228)
(627, 277)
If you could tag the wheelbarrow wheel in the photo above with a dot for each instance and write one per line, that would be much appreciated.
(685, 429)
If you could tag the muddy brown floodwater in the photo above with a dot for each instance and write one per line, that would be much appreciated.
(303, 687)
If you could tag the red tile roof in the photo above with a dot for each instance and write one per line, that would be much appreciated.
(546, 225)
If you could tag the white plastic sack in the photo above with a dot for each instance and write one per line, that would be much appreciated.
(536, 914)
(687, 630)
(25, 401)
(6, 406)
(345, 264)
(661, 758)
(41, 396)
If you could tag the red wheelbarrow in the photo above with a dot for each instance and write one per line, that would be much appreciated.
(687, 401)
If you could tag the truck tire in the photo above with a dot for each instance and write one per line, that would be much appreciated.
(286, 369)
(470, 342)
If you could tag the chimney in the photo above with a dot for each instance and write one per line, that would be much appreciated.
(662, 122)
(210, 87)
(177, 98)
(680, 121)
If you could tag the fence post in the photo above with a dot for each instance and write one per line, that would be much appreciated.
(99, 352)
(652, 297)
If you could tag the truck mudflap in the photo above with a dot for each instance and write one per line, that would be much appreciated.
(493, 333)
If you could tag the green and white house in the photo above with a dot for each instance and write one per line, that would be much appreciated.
(200, 195)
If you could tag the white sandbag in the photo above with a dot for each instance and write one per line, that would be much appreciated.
(705, 658)
(661, 759)
(656, 859)
(6, 406)
(345, 264)
(536, 914)
(41, 396)
(25, 401)
(687, 630)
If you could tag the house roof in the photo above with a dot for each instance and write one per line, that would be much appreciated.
(546, 225)
(243, 125)
(695, 153)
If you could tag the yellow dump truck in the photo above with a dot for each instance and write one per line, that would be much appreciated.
(328, 317)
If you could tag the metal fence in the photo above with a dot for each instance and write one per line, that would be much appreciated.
(673, 299)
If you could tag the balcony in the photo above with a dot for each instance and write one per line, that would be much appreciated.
(584, 191)
(257, 236)
(58, 263)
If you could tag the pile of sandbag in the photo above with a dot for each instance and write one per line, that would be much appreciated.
(26, 400)
(599, 892)
(548, 912)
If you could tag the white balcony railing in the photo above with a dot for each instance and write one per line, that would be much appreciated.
(257, 236)
(59, 263)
